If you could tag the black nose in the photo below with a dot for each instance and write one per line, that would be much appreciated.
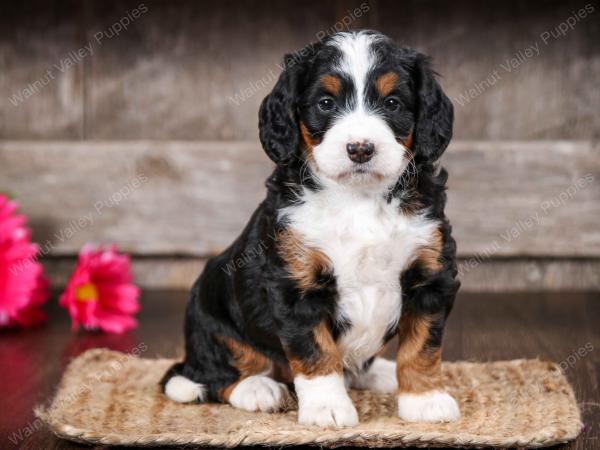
(360, 152)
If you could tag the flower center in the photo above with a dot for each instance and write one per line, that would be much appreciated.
(86, 293)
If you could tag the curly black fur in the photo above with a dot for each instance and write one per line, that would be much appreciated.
(258, 303)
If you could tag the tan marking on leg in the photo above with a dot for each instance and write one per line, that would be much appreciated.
(225, 393)
(418, 366)
(329, 360)
(386, 83)
(246, 360)
(332, 84)
(303, 263)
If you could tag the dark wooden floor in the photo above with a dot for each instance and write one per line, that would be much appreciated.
(482, 327)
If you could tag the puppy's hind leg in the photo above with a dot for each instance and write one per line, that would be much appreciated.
(254, 390)
(180, 388)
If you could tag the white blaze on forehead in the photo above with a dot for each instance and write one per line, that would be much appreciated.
(359, 123)
(358, 58)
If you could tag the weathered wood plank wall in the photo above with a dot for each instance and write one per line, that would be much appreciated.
(192, 198)
(136, 122)
(198, 70)
(489, 275)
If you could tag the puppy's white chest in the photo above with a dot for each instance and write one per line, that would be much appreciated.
(369, 243)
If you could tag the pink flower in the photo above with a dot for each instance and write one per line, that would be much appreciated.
(100, 293)
(23, 288)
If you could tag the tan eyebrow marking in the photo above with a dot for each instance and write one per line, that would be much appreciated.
(386, 83)
(329, 360)
(331, 84)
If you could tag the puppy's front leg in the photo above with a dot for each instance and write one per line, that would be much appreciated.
(421, 396)
(319, 379)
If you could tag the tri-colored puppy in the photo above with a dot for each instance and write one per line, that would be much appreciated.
(351, 246)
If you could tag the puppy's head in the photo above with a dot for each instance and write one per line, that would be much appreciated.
(356, 108)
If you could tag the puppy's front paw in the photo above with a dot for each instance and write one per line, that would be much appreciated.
(433, 406)
(323, 401)
(328, 413)
(259, 393)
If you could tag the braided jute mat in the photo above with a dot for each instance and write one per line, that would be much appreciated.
(110, 398)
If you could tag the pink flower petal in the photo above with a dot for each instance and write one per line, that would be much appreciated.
(23, 289)
(100, 294)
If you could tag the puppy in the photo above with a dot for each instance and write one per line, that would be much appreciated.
(350, 248)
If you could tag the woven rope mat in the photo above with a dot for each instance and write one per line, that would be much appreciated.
(110, 398)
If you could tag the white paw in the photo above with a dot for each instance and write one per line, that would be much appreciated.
(433, 406)
(184, 390)
(259, 393)
(328, 414)
(381, 377)
(323, 401)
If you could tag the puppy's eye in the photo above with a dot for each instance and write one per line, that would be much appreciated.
(326, 104)
(391, 103)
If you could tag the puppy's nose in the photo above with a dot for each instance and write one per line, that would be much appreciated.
(360, 152)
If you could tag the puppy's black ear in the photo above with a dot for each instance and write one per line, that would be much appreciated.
(278, 115)
(435, 114)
